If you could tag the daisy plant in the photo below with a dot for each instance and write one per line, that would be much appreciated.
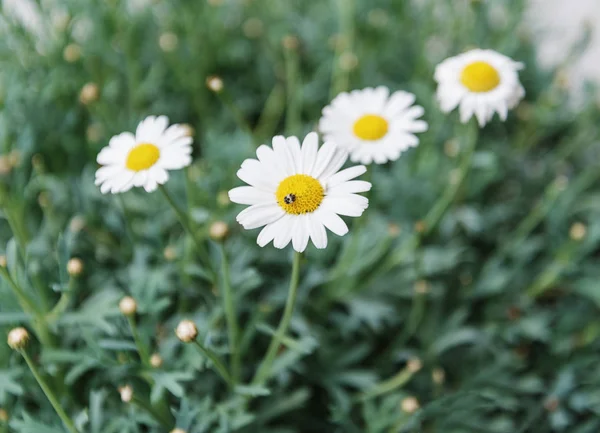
(372, 124)
(144, 159)
(296, 192)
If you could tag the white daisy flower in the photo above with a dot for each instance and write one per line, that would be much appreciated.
(482, 82)
(373, 125)
(296, 192)
(144, 158)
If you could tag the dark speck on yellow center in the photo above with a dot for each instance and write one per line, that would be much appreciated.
(370, 127)
(480, 77)
(142, 157)
(299, 194)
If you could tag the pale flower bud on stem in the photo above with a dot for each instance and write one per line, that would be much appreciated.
(214, 83)
(2, 261)
(414, 365)
(156, 360)
(438, 376)
(3, 415)
(186, 331)
(178, 430)
(128, 306)
(410, 405)
(89, 93)
(126, 393)
(18, 338)
(218, 231)
(577, 231)
(75, 267)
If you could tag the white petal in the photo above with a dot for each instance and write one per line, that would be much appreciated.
(317, 231)
(294, 149)
(398, 102)
(284, 155)
(259, 215)
(324, 156)
(331, 220)
(352, 186)
(253, 173)
(310, 147)
(271, 231)
(285, 232)
(250, 195)
(124, 140)
(343, 206)
(301, 234)
(337, 161)
(345, 175)
(267, 157)
(109, 155)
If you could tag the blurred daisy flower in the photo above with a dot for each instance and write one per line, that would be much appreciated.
(143, 159)
(297, 191)
(481, 82)
(373, 125)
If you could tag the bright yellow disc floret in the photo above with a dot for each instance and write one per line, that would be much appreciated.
(480, 77)
(142, 157)
(299, 194)
(370, 127)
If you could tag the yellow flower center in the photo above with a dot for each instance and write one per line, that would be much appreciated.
(480, 77)
(299, 194)
(371, 127)
(142, 157)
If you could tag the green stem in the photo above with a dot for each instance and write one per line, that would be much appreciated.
(219, 366)
(127, 218)
(292, 118)
(141, 347)
(185, 222)
(265, 367)
(163, 420)
(28, 306)
(230, 314)
(437, 212)
(388, 385)
(49, 394)
(237, 114)
(339, 76)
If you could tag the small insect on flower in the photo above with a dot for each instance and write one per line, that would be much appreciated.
(480, 83)
(142, 160)
(373, 125)
(296, 192)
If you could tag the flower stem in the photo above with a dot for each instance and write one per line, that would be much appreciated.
(292, 118)
(49, 394)
(230, 314)
(219, 366)
(185, 222)
(265, 367)
(437, 212)
(141, 347)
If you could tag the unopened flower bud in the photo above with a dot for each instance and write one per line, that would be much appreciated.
(348, 61)
(168, 42)
(77, 224)
(214, 83)
(394, 230)
(223, 198)
(18, 338)
(577, 231)
(438, 376)
(75, 267)
(170, 253)
(2, 261)
(186, 331)
(5, 165)
(72, 53)
(218, 231)
(290, 42)
(14, 158)
(178, 430)
(94, 132)
(89, 93)
(414, 365)
(128, 306)
(156, 360)
(3, 415)
(421, 287)
(126, 393)
(410, 405)
(420, 226)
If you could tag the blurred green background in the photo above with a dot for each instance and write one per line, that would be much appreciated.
(498, 302)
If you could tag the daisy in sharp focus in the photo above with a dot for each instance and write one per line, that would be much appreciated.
(373, 125)
(143, 159)
(481, 83)
(297, 191)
